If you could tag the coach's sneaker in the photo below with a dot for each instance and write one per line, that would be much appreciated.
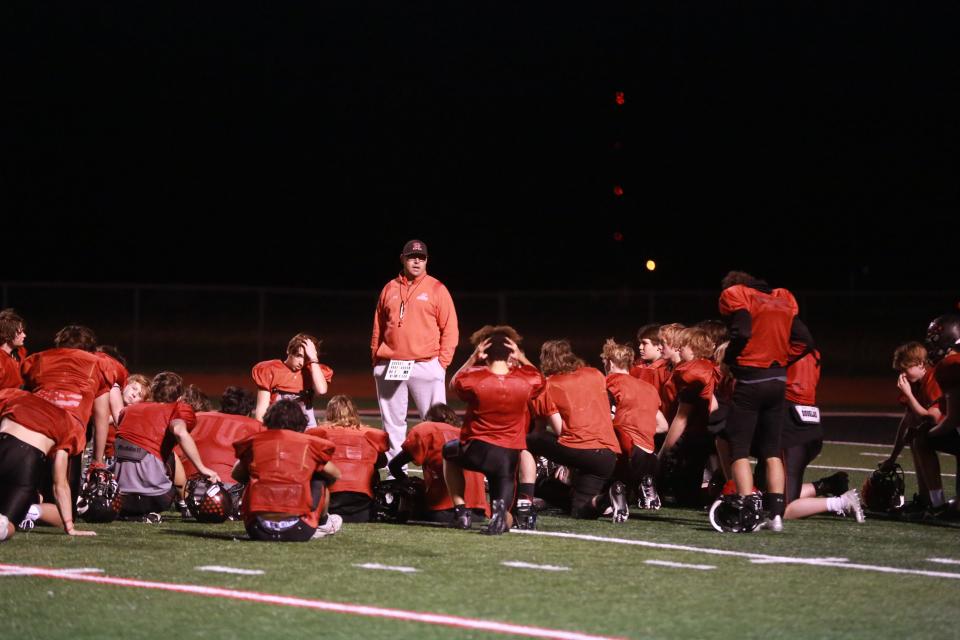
(832, 485)
(525, 515)
(462, 517)
(850, 505)
(648, 494)
(153, 518)
(498, 519)
(328, 528)
(618, 501)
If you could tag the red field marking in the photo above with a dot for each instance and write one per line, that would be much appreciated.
(335, 607)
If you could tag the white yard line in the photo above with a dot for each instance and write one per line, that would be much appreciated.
(306, 603)
(384, 567)
(943, 560)
(240, 572)
(756, 561)
(820, 562)
(873, 455)
(541, 567)
(680, 565)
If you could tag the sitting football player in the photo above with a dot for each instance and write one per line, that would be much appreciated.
(360, 452)
(299, 377)
(921, 397)
(137, 389)
(286, 502)
(424, 447)
(215, 433)
(580, 433)
(943, 345)
(146, 435)
(636, 419)
(689, 443)
(497, 382)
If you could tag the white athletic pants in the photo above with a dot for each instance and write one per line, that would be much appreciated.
(427, 385)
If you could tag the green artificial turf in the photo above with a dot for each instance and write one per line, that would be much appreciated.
(608, 589)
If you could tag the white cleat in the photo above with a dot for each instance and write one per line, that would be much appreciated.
(330, 527)
(851, 505)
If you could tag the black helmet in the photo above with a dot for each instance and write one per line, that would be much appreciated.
(209, 501)
(943, 334)
(99, 499)
(883, 490)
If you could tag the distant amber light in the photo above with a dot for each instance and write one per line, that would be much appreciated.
(651, 265)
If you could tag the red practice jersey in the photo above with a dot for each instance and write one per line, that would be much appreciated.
(656, 373)
(637, 403)
(117, 374)
(214, 436)
(771, 321)
(282, 383)
(803, 377)
(356, 455)
(10, 377)
(68, 378)
(580, 397)
(695, 382)
(498, 405)
(45, 418)
(948, 373)
(424, 444)
(146, 424)
(281, 464)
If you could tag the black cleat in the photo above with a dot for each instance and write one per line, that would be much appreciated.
(525, 515)
(832, 485)
(618, 501)
(649, 499)
(498, 521)
(462, 517)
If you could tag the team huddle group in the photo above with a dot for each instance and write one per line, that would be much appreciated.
(678, 419)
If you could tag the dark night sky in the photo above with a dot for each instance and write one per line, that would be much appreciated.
(302, 145)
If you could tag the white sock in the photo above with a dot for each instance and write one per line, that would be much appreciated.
(33, 513)
(936, 497)
(835, 504)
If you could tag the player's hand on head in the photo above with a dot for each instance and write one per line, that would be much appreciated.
(480, 353)
(310, 350)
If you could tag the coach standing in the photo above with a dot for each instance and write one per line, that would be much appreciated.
(414, 337)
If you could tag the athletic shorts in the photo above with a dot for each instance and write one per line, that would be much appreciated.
(22, 468)
(293, 529)
(756, 419)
